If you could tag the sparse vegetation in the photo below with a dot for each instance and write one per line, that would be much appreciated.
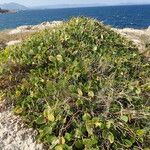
(81, 86)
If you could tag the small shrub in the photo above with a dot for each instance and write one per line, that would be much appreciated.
(81, 86)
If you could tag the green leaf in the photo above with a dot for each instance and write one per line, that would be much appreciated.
(78, 133)
(50, 117)
(124, 118)
(54, 141)
(127, 143)
(67, 147)
(91, 94)
(141, 139)
(18, 110)
(62, 140)
(140, 132)
(90, 142)
(51, 138)
(49, 114)
(133, 139)
(18, 93)
(59, 58)
(59, 147)
(89, 129)
(80, 92)
(86, 117)
(79, 102)
(79, 144)
(40, 120)
(95, 48)
(110, 137)
(138, 91)
(47, 130)
(97, 122)
(109, 123)
(68, 136)
(51, 58)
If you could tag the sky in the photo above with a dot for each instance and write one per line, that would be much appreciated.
(31, 3)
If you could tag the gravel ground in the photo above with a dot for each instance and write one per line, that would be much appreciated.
(13, 135)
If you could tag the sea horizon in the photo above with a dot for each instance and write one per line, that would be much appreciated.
(115, 16)
(86, 6)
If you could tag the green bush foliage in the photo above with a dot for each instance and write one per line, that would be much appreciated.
(81, 86)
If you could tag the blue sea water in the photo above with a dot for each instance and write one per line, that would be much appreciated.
(116, 16)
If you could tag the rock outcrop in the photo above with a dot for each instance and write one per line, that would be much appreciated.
(141, 38)
(34, 28)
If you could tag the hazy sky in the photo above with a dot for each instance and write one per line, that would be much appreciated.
(55, 2)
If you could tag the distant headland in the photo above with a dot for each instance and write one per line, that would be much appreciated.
(5, 11)
(11, 8)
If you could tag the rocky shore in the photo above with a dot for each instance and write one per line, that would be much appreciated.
(13, 134)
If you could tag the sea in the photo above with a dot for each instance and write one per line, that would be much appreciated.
(135, 16)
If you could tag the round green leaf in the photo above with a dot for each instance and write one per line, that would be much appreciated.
(124, 118)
